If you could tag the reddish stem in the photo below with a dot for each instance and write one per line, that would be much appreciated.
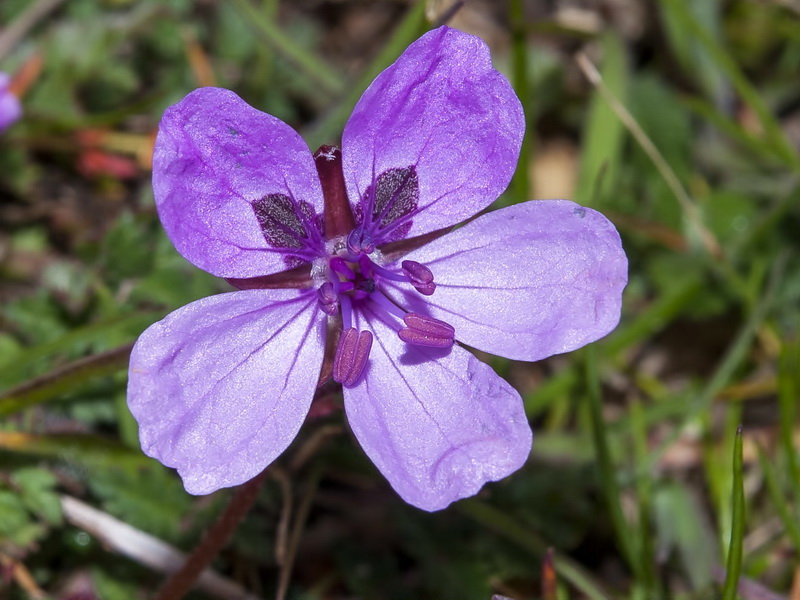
(338, 214)
(178, 585)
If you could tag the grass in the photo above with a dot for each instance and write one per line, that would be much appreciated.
(665, 461)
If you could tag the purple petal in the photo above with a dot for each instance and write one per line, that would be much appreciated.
(10, 107)
(437, 425)
(527, 281)
(221, 386)
(440, 117)
(236, 189)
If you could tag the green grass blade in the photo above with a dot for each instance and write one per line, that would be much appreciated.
(63, 380)
(307, 64)
(520, 184)
(745, 89)
(734, 562)
(329, 129)
(507, 527)
(788, 389)
(603, 132)
(605, 466)
(790, 524)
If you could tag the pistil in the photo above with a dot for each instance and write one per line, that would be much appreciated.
(338, 214)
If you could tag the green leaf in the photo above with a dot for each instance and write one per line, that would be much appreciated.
(37, 492)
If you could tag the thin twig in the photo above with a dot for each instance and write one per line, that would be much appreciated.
(687, 204)
(282, 531)
(23, 577)
(297, 533)
(39, 388)
(445, 17)
(12, 34)
(215, 539)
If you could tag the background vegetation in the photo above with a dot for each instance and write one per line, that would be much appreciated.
(686, 136)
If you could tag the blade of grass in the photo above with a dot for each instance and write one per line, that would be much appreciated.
(689, 208)
(605, 466)
(603, 134)
(790, 523)
(307, 64)
(125, 327)
(733, 357)
(330, 127)
(788, 389)
(745, 89)
(63, 379)
(520, 184)
(644, 496)
(734, 562)
(506, 526)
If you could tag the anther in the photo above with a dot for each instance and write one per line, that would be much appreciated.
(426, 331)
(351, 356)
(328, 299)
(420, 276)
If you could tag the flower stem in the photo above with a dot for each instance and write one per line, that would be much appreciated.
(215, 539)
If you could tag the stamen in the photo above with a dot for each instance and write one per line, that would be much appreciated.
(427, 331)
(351, 356)
(347, 311)
(383, 302)
(421, 277)
(328, 299)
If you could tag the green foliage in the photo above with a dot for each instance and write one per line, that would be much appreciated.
(630, 481)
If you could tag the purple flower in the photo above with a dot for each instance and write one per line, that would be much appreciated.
(10, 108)
(351, 249)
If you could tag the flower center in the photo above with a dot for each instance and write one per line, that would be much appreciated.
(353, 273)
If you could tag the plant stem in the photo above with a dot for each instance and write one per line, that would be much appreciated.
(215, 539)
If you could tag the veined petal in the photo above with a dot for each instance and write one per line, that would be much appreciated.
(221, 386)
(236, 189)
(440, 118)
(437, 425)
(527, 281)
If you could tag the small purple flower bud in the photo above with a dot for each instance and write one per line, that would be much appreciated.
(427, 331)
(351, 356)
(420, 276)
(328, 300)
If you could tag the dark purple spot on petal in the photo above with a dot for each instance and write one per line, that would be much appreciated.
(394, 196)
(285, 224)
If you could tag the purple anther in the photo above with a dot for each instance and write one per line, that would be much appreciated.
(351, 356)
(359, 242)
(328, 299)
(340, 266)
(420, 276)
(427, 331)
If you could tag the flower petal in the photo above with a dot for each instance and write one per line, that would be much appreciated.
(221, 386)
(236, 189)
(10, 107)
(437, 425)
(527, 281)
(441, 118)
